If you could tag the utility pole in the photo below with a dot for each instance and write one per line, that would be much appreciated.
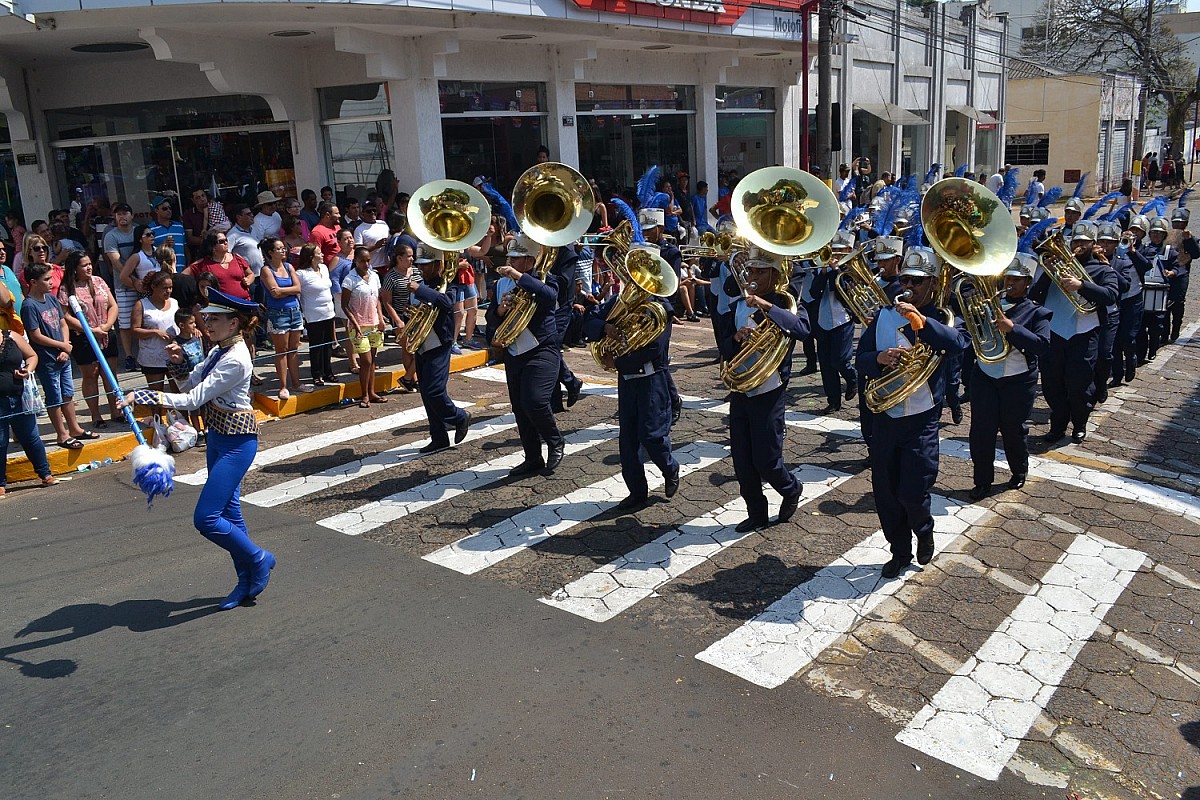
(824, 155)
(1139, 139)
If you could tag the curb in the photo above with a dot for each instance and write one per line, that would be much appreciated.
(62, 461)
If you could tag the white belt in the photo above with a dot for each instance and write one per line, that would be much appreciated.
(647, 369)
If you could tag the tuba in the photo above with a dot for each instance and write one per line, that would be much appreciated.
(554, 205)
(1055, 257)
(963, 225)
(644, 274)
(856, 286)
(451, 216)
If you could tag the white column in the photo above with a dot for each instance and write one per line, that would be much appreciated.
(308, 154)
(706, 135)
(789, 125)
(417, 130)
(566, 70)
(34, 180)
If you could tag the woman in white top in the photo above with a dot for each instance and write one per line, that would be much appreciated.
(155, 327)
(128, 285)
(316, 303)
(360, 301)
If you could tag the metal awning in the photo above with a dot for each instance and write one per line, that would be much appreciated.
(974, 113)
(889, 112)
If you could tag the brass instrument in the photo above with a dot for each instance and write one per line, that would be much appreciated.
(1055, 257)
(644, 274)
(856, 286)
(450, 216)
(712, 245)
(901, 381)
(764, 350)
(785, 211)
(554, 205)
(979, 300)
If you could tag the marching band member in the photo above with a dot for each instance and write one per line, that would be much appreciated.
(1125, 350)
(564, 272)
(1108, 234)
(219, 386)
(433, 357)
(904, 444)
(531, 362)
(643, 404)
(1002, 393)
(1158, 262)
(889, 253)
(834, 331)
(800, 286)
(651, 220)
(1068, 369)
(1072, 212)
(1188, 249)
(756, 426)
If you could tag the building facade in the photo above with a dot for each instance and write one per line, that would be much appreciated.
(126, 99)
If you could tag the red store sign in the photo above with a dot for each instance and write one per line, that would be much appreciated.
(707, 12)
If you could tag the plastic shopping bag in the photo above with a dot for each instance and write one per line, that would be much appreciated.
(32, 399)
(180, 434)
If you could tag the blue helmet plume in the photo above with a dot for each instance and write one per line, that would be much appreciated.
(1081, 187)
(1050, 196)
(626, 213)
(848, 220)
(931, 176)
(1097, 205)
(1183, 197)
(847, 190)
(1008, 192)
(1122, 210)
(893, 204)
(1025, 243)
(647, 186)
(499, 200)
(1158, 205)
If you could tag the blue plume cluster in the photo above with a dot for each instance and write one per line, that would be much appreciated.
(501, 202)
(1030, 195)
(1025, 243)
(1158, 205)
(1119, 212)
(1094, 207)
(1008, 192)
(1081, 187)
(931, 176)
(910, 184)
(153, 472)
(1183, 197)
(848, 220)
(914, 236)
(1050, 196)
(647, 186)
(961, 171)
(626, 213)
(893, 204)
(847, 190)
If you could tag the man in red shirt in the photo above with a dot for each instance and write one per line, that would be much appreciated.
(324, 233)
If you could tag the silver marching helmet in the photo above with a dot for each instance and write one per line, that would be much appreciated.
(1074, 204)
(1023, 266)
(921, 262)
(1159, 224)
(1083, 231)
(888, 247)
(1181, 215)
(1141, 222)
(1108, 232)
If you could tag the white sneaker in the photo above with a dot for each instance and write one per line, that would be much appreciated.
(304, 388)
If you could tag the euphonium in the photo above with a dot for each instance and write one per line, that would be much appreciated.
(979, 300)
(764, 350)
(1056, 258)
(644, 275)
(554, 205)
(911, 371)
(450, 216)
(856, 286)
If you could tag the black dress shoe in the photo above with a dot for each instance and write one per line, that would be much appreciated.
(894, 567)
(632, 502)
(750, 524)
(809, 370)
(433, 447)
(573, 392)
(672, 484)
(851, 389)
(555, 457)
(831, 408)
(1078, 437)
(1053, 436)
(956, 414)
(924, 549)
(676, 410)
(460, 430)
(1017, 480)
(526, 468)
(788, 509)
(1101, 394)
(1115, 382)
(978, 493)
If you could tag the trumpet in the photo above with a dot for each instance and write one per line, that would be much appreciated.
(712, 245)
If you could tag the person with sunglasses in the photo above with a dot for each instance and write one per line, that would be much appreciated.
(168, 230)
(904, 441)
(220, 387)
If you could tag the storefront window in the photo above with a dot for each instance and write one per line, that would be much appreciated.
(359, 100)
(358, 132)
(745, 128)
(733, 98)
(609, 97)
(617, 149)
(223, 111)
(987, 147)
(914, 144)
(466, 97)
(865, 129)
(491, 129)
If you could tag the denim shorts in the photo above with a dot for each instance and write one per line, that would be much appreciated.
(284, 320)
(459, 292)
(58, 383)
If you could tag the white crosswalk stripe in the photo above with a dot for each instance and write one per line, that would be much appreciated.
(320, 441)
(497, 375)
(505, 539)
(378, 513)
(378, 462)
(775, 645)
(619, 585)
(979, 718)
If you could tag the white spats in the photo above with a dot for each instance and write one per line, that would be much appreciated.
(378, 513)
(509, 537)
(361, 468)
(619, 585)
(978, 719)
(792, 632)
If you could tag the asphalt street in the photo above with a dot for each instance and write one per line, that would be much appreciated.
(432, 630)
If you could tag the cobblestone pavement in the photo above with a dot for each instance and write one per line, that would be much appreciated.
(1053, 635)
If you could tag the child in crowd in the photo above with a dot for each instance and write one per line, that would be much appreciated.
(191, 342)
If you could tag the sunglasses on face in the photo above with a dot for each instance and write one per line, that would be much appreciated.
(222, 241)
(40, 248)
(912, 280)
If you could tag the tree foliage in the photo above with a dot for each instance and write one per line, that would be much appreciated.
(1112, 36)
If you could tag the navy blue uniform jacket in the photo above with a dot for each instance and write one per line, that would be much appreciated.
(542, 325)
(938, 335)
(794, 326)
(656, 351)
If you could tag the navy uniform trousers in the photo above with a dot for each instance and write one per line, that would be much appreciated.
(1125, 350)
(1106, 351)
(433, 374)
(644, 413)
(1000, 405)
(756, 439)
(1068, 371)
(904, 468)
(532, 377)
(835, 350)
